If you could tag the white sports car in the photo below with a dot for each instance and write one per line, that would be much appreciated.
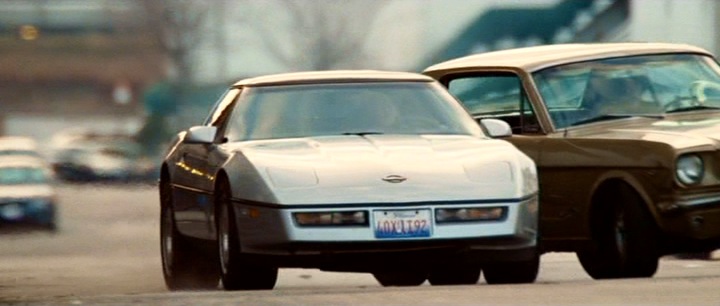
(355, 171)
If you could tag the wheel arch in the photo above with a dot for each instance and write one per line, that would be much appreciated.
(221, 177)
(614, 187)
(163, 179)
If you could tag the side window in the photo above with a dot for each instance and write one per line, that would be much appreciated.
(221, 112)
(499, 96)
(221, 109)
(263, 113)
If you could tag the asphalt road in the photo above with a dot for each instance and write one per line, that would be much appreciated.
(107, 253)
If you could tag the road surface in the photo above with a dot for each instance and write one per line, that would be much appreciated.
(107, 253)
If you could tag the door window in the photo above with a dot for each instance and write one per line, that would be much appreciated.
(499, 96)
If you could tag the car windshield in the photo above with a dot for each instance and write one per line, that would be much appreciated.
(647, 86)
(22, 175)
(348, 108)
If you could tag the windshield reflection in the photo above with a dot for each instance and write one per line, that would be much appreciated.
(629, 86)
(310, 110)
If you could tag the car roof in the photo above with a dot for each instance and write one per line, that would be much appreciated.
(17, 142)
(540, 57)
(333, 76)
(22, 161)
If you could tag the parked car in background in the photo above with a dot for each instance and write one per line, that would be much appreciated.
(97, 157)
(27, 195)
(625, 138)
(19, 145)
(356, 171)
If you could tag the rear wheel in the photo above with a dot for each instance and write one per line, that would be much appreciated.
(512, 272)
(184, 268)
(454, 275)
(401, 278)
(237, 273)
(626, 240)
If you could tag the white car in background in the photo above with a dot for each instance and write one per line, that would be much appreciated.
(27, 194)
(19, 145)
(92, 157)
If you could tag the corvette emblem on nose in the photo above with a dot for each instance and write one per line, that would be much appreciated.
(394, 178)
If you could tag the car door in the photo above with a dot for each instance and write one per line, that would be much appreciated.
(194, 183)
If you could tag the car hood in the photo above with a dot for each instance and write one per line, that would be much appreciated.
(680, 132)
(397, 168)
(26, 191)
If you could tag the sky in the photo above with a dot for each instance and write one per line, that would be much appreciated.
(403, 34)
(442, 19)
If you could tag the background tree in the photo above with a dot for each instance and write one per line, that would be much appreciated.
(314, 34)
(177, 26)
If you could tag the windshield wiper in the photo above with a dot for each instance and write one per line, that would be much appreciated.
(363, 133)
(606, 117)
(691, 108)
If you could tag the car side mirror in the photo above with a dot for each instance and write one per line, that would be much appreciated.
(496, 128)
(200, 134)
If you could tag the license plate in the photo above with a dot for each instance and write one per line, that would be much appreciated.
(11, 211)
(411, 223)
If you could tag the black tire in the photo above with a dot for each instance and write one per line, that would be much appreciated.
(625, 239)
(454, 275)
(521, 272)
(184, 268)
(51, 227)
(236, 272)
(695, 255)
(403, 278)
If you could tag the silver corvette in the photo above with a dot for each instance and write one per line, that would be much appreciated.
(355, 171)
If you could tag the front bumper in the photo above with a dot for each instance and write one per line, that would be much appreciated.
(271, 234)
(27, 212)
(370, 256)
(691, 221)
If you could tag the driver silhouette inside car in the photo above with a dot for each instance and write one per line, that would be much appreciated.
(619, 95)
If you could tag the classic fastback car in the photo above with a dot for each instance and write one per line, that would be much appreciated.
(359, 171)
(625, 137)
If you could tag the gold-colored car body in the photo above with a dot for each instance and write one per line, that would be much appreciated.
(581, 167)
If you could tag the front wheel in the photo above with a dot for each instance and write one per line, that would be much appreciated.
(402, 278)
(521, 272)
(696, 255)
(454, 275)
(184, 267)
(625, 238)
(236, 272)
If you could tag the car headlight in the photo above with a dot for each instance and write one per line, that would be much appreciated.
(292, 178)
(690, 169)
(452, 215)
(331, 218)
(489, 172)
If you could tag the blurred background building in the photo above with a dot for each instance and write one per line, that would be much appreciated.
(577, 21)
(63, 62)
(121, 64)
